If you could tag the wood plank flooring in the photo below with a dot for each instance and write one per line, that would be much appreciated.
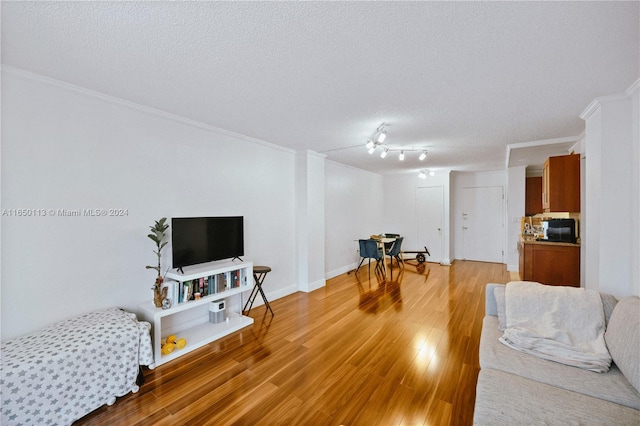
(360, 351)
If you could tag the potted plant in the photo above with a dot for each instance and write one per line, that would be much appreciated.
(157, 235)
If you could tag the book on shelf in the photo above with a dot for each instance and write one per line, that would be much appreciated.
(183, 291)
(201, 286)
(221, 283)
(186, 291)
(228, 279)
(235, 279)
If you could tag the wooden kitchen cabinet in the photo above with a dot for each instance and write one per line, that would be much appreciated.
(561, 184)
(533, 196)
(550, 263)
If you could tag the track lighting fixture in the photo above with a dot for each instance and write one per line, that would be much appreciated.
(422, 174)
(377, 140)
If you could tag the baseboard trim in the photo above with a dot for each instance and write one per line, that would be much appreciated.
(272, 295)
(340, 271)
(313, 286)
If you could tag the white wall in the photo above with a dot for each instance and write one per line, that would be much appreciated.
(353, 210)
(635, 188)
(65, 148)
(516, 194)
(590, 233)
(469, 180)
(401, 211)
(310, 230)
(360, 203)
(611, 243)
(1, 207)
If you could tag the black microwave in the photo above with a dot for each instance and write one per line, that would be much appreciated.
(559, 230)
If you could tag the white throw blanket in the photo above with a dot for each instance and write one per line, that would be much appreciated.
(562, 324)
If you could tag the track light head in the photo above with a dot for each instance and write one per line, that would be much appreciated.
(384, 152)
(382, 134)
(370, 144)
(423, 155)
(401, 156)
(372, 148)
(422, 174)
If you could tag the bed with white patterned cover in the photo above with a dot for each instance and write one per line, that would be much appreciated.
(63, 372)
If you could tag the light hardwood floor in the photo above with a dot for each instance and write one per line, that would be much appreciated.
(359, 351)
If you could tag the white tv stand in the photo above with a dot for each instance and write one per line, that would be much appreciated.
(190, 319)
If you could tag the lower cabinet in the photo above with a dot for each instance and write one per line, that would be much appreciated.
(550, 263)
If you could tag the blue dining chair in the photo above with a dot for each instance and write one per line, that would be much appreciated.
(387, 246)
(369, 250)
(394, 252)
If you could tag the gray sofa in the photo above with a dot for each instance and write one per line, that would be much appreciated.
(515, 388)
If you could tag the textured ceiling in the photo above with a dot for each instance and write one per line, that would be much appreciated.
(461, 79)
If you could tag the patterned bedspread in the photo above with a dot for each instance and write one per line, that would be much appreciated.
(58, 375)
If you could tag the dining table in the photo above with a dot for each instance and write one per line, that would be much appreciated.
(382, 240)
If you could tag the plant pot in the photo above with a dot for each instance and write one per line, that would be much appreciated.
(159, 293)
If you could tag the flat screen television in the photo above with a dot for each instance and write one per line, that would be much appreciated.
(205, 239)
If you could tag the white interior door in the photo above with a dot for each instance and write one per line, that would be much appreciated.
(483, 224)
(430, 202)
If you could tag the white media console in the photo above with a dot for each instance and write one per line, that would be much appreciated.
(190, 319)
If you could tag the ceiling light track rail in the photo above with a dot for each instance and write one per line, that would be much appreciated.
(377, 141)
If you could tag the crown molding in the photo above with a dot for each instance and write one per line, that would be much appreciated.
(595, 104)
(313, 153)
(633, 87)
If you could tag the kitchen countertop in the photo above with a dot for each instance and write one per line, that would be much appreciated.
(532, 240)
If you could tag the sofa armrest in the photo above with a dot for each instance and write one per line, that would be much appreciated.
(491, 308)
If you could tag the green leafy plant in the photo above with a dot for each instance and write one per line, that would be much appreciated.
(157, 235)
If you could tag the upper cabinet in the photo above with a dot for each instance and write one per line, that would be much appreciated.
(533, 196)
(561, 184)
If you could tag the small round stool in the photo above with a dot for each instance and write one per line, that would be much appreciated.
(259, 273)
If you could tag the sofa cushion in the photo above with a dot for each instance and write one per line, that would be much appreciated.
(507, 399)
(608, 304)
(501, 304)
(611, 386)
(623, 338)
(490, 300)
